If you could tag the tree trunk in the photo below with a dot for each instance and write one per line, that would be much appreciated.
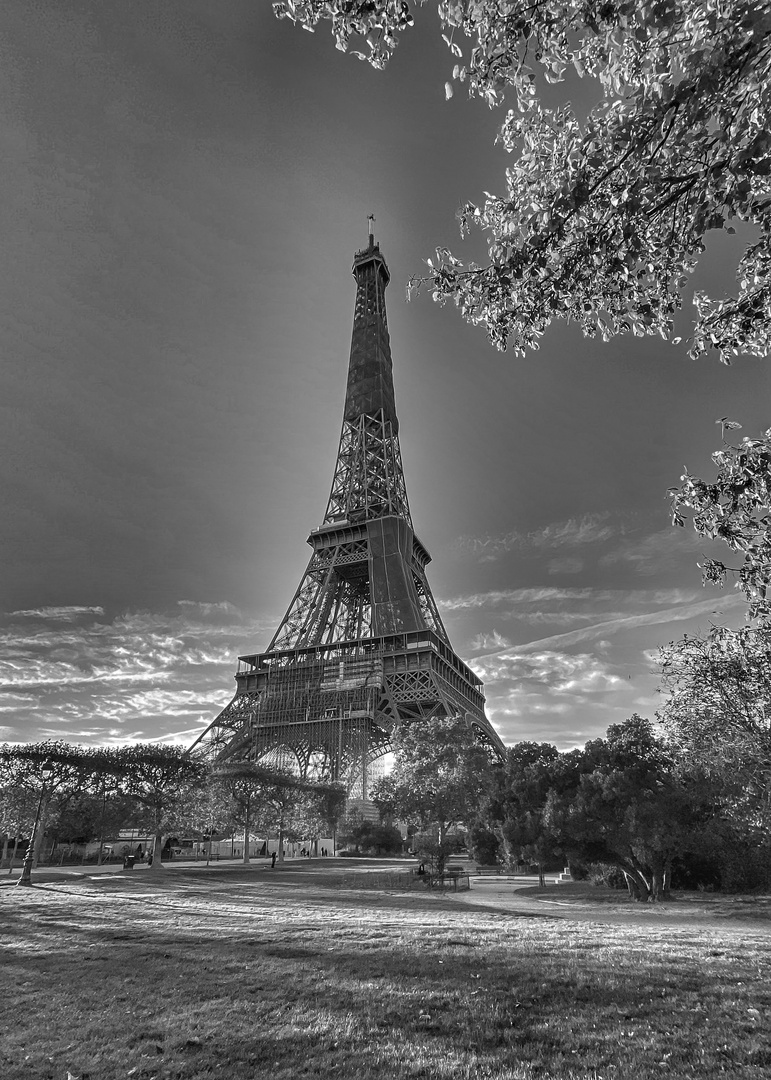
(247, 827)
(657, 887)
(4, 857)
(638, 887)
(541, 875)
(281, 837)
(41, 828)
(657, 884)
(15, 849)
(157, 844)
(101, 827)
(660, 890)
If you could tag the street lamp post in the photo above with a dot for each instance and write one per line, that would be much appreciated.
(26, 869)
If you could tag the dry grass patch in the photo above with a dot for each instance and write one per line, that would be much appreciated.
(244, 974)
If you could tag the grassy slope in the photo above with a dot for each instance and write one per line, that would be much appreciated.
(245, 974)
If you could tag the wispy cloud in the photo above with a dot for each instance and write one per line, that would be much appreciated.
(562, 672)
(524, 689)
(495, 597)
(681, 613)
(569, 564)
(490, 641)
(575, 532)
(658, 552)
(58, 614)
(566, 606)
(88, 677)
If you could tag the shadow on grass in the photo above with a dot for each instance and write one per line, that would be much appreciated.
(250, 905)
(397, 995)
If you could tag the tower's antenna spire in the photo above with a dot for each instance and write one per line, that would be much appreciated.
(371, 229)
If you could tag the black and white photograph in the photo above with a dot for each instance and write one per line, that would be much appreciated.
(385, 539)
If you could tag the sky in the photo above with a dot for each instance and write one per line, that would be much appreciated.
(184, 185)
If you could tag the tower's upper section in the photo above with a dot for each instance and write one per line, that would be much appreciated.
(370, 375)
(369, 482)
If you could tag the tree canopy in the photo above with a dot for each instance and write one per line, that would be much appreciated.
(736, 508)
(718, 684)
(49, 771)
(439, 776)
(602, 217)
(159, 778)
(517, 801)
(718, 715)
(280, 801)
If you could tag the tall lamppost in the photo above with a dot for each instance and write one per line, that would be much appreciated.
(26, 870)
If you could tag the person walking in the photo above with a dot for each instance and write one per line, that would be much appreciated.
(273, 861)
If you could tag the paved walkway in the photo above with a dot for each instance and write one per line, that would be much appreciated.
(501, 895)
(64, 873)
(694, 916)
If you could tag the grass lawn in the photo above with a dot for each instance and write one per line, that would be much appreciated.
(246, 973)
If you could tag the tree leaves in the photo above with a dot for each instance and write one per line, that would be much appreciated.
(602, 221)
(718, 714)
(439, 775)
(735, 508)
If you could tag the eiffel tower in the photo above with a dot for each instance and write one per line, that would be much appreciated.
(362, 648)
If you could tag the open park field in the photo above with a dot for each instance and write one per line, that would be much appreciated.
(334, 970)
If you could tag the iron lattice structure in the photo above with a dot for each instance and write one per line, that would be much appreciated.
(362, 647)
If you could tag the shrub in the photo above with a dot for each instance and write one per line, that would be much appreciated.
(485, 845)
(606, 875)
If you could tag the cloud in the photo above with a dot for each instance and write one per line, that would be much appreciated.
(569, 692)
(490, 641)
(589, 529)
(495, 597)
(658, 552)
(681, 613)
(563, 608)
(217, 609)
(566, 565)
(560, 672)
(135, 675)
(58, 614)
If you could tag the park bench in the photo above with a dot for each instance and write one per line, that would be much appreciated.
(450, 878)
(486, 871)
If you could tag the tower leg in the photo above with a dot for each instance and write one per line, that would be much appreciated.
(364, 748)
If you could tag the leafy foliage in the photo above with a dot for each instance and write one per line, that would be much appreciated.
(159, 778)
(48, 774)
(52, 764)
(368, 838)
(485, 845)
(622, 801)
(628, 806)
(439, 776)
(280, 801)
(603, 218)
(718, 714)
(718, 711)
(735, 508)
(517, 802)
